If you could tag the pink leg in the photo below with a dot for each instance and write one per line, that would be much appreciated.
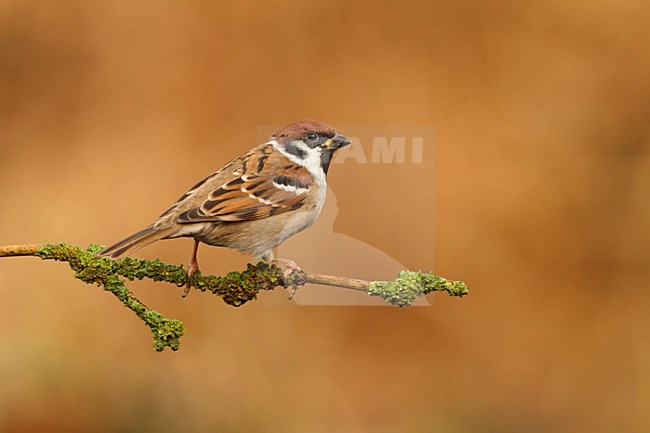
(193, 268)
(289, 265)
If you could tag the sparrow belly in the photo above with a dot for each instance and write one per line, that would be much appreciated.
(260, 237)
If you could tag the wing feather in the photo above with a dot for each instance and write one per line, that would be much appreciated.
(250, 197)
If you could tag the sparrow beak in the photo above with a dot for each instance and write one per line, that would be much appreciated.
(338, 142)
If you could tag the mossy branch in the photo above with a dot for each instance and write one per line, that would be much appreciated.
(235, 288)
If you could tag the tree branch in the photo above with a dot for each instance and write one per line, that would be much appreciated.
(19, 250)
(235, 288)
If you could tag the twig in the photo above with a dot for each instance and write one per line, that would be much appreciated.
(19, 250)
(331, 280)
(235, 288)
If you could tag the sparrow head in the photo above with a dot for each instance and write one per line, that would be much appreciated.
(310, 142)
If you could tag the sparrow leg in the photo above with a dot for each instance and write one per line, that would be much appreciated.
(289, 267)
(193, 268)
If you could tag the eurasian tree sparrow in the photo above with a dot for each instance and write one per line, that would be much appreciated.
(256, 201)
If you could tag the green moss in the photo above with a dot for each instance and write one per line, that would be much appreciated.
(409, 285)
(92, 269)
(166, 332)
(235, 288)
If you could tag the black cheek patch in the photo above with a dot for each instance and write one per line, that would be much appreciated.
(295, 150)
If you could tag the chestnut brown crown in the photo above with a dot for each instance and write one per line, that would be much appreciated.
(298, 129)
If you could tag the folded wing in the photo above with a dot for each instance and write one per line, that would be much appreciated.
(250, 197)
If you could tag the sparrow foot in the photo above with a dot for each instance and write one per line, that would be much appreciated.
(193, 268)
(292, 273)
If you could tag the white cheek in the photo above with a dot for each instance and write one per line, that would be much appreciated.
(313, 163)
(312, 160)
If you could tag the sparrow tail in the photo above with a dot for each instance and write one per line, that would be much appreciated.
(135, 241)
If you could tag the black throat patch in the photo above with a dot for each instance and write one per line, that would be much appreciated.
(325, 159)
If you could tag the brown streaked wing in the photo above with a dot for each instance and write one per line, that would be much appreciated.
(249, 198)
(228, 172)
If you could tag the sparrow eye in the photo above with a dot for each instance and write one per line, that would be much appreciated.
(312, 137)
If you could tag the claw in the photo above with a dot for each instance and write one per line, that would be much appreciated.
(290, 269)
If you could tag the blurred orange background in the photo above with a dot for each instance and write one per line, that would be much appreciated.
(541, 176)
